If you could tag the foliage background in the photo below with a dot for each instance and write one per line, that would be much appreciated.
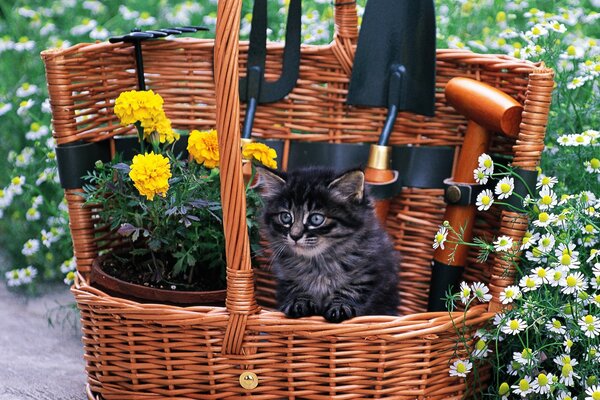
(30, 26)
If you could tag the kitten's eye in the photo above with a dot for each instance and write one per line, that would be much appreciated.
(285, 217)
(316, 219)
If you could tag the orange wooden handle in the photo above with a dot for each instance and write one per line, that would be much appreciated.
(373, 175)
(484, 104)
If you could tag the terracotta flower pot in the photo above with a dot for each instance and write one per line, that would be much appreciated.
(146, 294)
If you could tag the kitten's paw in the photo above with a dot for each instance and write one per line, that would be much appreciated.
(338, 312)
(300, 307)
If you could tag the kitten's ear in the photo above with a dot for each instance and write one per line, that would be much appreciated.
(350, 185)
(269, 182)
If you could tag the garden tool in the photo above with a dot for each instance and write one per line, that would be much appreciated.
(487, 110)
(394, 67)
(254, 89)
(136, 37)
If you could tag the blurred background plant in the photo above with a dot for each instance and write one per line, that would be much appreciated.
(34, 233)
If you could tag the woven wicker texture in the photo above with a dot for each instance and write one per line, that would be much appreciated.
(144, 351)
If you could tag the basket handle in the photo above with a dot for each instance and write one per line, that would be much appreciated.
(528, 151)
(241, 299)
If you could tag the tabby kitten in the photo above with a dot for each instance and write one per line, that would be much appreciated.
(329, 254)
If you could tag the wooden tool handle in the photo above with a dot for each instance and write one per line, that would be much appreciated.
(378, 171)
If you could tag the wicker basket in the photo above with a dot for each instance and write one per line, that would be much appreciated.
(153, 351)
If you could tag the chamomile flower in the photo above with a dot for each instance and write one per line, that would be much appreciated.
(69, 278)
(30, 247)
(530, 283)
(514, 326)
(4, 108)
(26, 89)
(460, 368)
(28, 274)
(572, 283)
(16, 184)
(440, 238)
(485, 199)
(547, 200)
(544, 219)
(36, 131)
(577, 82)
(524, 387)
(486, 164)
(85, 27)
(481, 291)
(145, 19)
(555, 326)
(13, 278)
(525, 357)
(99, 33)
(592, 166)
(541, 273)
(593, 392)
(590, 325)
(546, 242)
(555, 26)
(6, 197)
(509, 294)
(23, 44)
(481, 349)
(505, 187)
(567, 256)
(24, 107)
(529, 239)
(465, 292)
(541, 384)
(32, 214)
(128, 14)
(545, 181)
(481, 176)
(567, 374)
(503, 243)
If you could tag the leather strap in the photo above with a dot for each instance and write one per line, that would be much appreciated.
(77, 159)
(525, 182)
(443, 278)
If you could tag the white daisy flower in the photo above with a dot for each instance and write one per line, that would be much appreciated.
(6, 197)
(68, 265)
(545, 181)
(530, 283)
(481, 176)
(13, 278)
(481, 291)
(505, 187)
(460, 368)
(567, 256)
(568, 344)
(465, 292)
(555, 26)
(128, 14)
(590, 325)
(577, 82)
(26, 90)
(541, 384)
(94, 6)
(99, 33)
(592, 166)
(565, 395)
(69, 278)
(509, 294)
(486, 163)
(536, 31)
(529, 239)
(555, 326)
(593, 392)
(523, 388)
(440, 238)
(503, 243)
(481, 349)
(24, 106)
(4, 108)
(541, 273)
(36, 131)
(16, 185)
(145, 19)
(572, 283)
(568, 375)
(85, 27)
(514, 326)
(498, 319)
(544, 219)
(28, 274)
(30, 247)
(547, 199)
(524, 357)
(485, 199)
(46, 108)
(32, 214)
(546, 242)
(23, 44)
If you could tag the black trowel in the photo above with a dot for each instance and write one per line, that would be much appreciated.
(394, 67)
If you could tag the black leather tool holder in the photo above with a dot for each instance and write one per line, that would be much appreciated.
(419, 167)
(77, 159)
(444, 278)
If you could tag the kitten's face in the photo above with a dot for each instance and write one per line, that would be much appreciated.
(309, 211)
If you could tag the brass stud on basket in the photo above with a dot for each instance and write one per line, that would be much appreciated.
(248, 380)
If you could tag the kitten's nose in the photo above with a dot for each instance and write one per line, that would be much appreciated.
(295, 237)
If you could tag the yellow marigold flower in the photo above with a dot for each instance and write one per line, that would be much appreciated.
(260, 152)
(134, 106)
(166, 133)
(150, 174)
(204, 147)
